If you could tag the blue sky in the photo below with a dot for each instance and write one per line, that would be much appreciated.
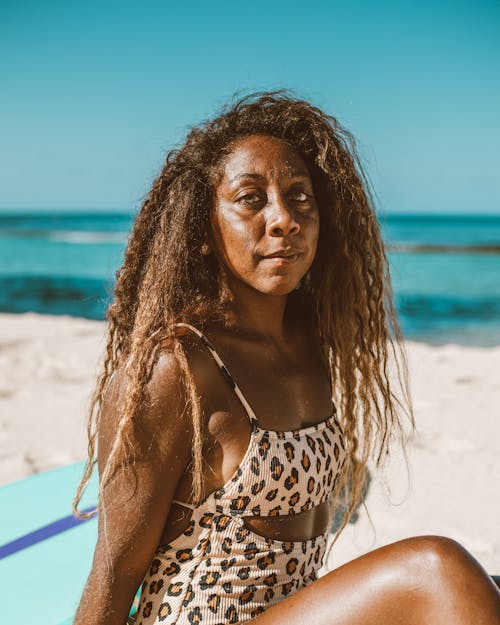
(94, 94)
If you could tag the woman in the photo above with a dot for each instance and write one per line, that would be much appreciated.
(254, 294)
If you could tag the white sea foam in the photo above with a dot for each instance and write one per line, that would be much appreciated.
(86, 236)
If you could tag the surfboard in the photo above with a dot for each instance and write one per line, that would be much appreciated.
(45, 553)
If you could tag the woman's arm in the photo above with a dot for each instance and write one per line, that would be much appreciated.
(135, 505)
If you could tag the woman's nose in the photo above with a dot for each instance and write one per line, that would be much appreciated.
(281, 220)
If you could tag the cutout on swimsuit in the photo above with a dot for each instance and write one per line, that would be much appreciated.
(291, 527)
(177, 522)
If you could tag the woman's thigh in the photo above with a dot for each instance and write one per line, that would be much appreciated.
(425, 580)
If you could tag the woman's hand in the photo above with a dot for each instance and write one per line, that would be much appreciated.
(135, 503)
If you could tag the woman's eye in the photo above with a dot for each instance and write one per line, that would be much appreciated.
(300, 196)
(250, 199)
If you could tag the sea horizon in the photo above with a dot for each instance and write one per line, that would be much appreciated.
(445, 268)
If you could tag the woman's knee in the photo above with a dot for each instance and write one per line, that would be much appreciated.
(434, 556)
(426, 579)
(439, 563)
(411, 574)
(456, 582)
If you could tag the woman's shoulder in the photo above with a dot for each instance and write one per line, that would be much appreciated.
(162, 382)
(161, 416)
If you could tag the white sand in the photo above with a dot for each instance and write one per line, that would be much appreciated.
(48, 366)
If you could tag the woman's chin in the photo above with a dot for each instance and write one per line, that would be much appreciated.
(278, 286)
(275, 285)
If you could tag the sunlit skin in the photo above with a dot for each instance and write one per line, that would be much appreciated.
(266, 219)
(264, 205)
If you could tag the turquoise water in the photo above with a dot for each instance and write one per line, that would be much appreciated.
(445, 269)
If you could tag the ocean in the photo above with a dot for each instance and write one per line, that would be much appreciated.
(445, 269)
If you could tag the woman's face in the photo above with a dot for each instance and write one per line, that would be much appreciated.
(266, 220)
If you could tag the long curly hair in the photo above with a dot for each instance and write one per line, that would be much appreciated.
(165, 280)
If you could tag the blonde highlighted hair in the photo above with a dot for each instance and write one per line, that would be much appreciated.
(165, 280)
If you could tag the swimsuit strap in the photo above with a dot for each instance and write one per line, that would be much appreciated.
(225, 371)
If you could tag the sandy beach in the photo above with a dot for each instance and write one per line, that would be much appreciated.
(48, 366)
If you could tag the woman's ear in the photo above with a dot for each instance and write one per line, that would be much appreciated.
(205, 249)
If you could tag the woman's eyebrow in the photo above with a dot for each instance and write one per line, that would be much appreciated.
(248, 175)
(296, 173)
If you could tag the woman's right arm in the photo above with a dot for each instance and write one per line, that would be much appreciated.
(135, 504)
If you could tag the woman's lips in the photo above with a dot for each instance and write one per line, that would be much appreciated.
(285, 259)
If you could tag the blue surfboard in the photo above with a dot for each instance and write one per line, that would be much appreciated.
(45, 553)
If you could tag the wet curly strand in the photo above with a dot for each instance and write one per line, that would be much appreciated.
(165, 280)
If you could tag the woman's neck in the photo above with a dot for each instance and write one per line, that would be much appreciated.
(259, 314)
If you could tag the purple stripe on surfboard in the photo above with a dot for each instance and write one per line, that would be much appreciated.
(42, 533)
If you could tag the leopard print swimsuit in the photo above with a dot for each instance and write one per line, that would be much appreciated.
(218, 571)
